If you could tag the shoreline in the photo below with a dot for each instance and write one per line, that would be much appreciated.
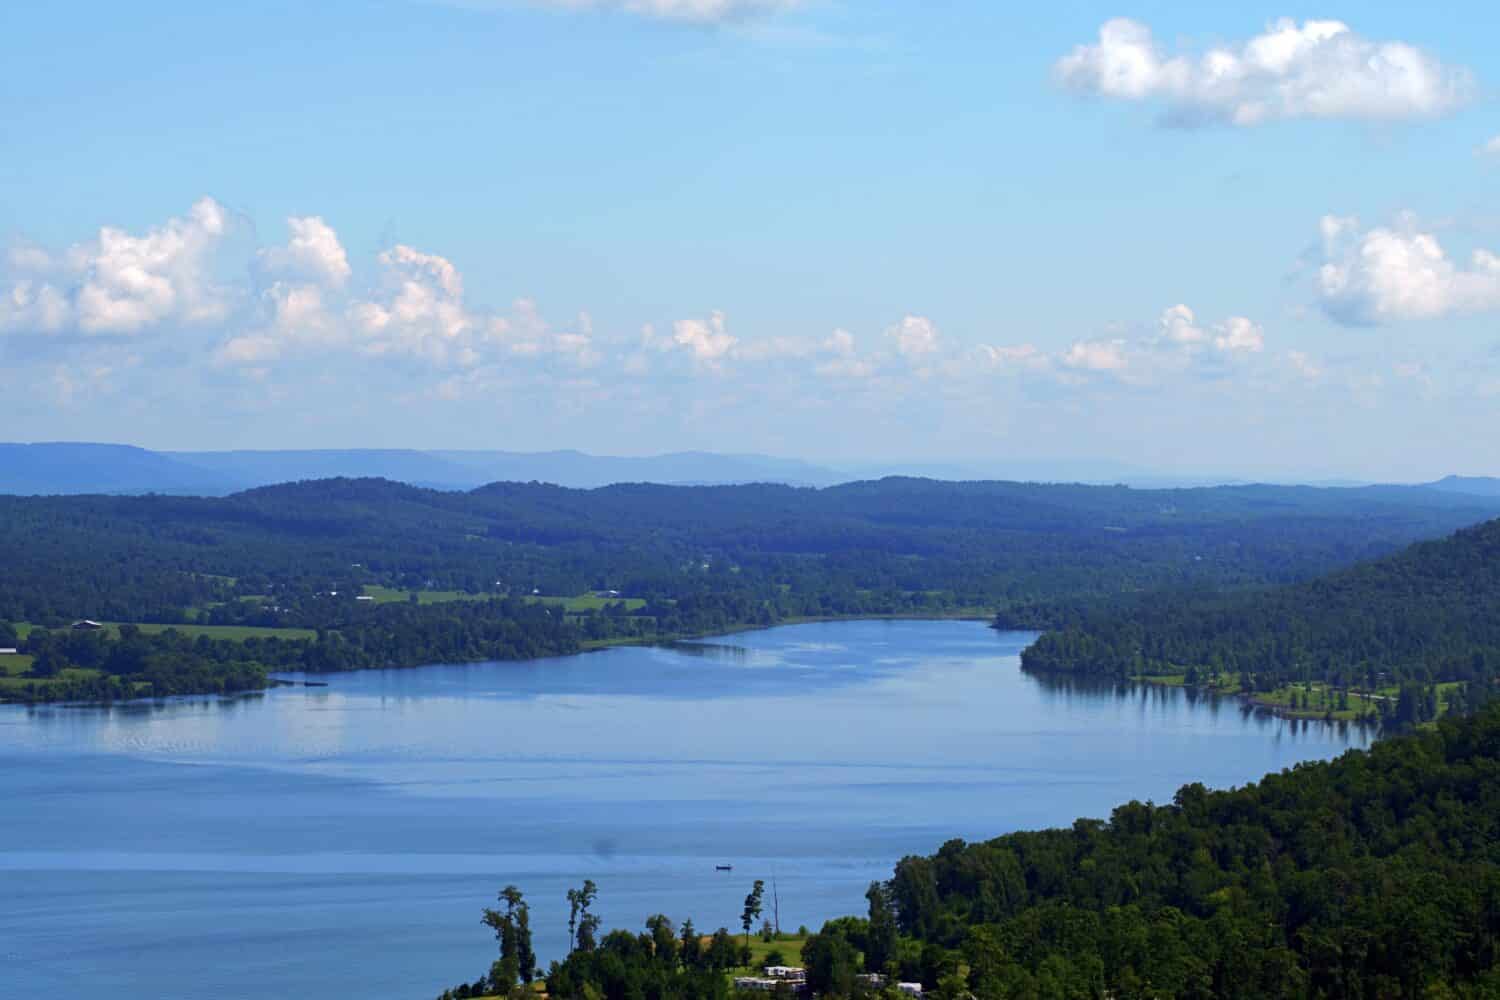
(1249, 701)
(283, 679)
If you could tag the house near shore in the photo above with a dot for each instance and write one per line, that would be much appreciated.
(876, 981)
(86, 625)
(9, 651)
(776, 978)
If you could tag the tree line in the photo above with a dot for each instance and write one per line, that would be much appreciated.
(1407, 622)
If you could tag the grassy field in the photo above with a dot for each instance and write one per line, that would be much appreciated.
(12, 685)
(571, 605)
(234, 632)
(389, 595)
(588, 602)
(14, 666)
(1314, 700)
(790, 946)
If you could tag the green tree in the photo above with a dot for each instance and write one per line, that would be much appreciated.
(831, 963)
(752, 908)
(579, 901)
(692, 946)
(881, 946)
(512, 928)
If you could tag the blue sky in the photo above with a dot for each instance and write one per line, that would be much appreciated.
(1258, 242)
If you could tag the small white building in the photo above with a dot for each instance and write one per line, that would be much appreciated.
(786, 973)
(910, 989)
(9, 651)
(756, 984)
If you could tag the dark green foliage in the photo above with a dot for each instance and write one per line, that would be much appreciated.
(752, 907)
(1374, 875)
(512, 928)
(1430, 613)
(832, 961)
(703, 559)
(1040, 552)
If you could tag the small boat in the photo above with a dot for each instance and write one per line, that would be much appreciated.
(723, 868)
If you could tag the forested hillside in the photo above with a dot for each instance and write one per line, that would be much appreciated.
(1375, 875)
(1425, 616)
(1037, 552)
(375, 573)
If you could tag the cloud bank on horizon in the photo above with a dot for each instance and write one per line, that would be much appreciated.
(302, 299)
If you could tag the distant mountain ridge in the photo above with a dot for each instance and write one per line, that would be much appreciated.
(53, 468)
(70, 468)
(64, 468)
(1484, 486)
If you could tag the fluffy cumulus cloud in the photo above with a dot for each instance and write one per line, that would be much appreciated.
(313, 253)
(407, 310)
(119, 283)
(698, 11)
(914, 337)
(1315, 69)
(1096, 356)
(1179, 345)
(1491, 149)
(1235, 335)
(708, 340)
(1399, 272)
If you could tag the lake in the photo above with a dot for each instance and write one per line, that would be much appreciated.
(343, 840)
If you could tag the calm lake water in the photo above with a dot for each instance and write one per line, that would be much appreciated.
(342, 840)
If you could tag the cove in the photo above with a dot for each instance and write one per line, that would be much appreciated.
(342, 840)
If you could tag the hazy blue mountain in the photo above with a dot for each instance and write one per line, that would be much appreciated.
(264, 468)
(64, 468)
(583, 471)
(60, 468)
(1485, 486)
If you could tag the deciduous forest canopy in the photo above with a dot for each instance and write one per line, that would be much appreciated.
(664, 561)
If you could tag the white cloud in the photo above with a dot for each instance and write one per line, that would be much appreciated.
(121, 284)
(1235, 336)
(708, 340)
(1399, 273)
(699, 11)
(1096, 356)
(1016, 358)
(34, 306)
(314, 253)
(851, 368)
(419, 311)
(1304, 365)
(1491, 148)
(526, 334)
(1316, 69)
(915, 337)
(1238, 335)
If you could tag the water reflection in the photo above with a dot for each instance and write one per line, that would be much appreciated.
(824, 752)
(1071, 690)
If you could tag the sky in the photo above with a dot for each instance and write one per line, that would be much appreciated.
(1261, 242)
